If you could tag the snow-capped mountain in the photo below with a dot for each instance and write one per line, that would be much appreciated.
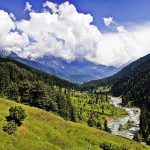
(6, 53)
(76, 70)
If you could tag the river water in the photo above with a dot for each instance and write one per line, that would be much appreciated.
(133, 115)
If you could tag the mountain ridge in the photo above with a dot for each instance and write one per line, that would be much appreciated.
(132, 83)
(77, 70)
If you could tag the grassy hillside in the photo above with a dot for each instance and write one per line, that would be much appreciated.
(95, 107)
(42, 130)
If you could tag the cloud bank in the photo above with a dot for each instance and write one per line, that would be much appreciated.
(61, 30)
(11, 39)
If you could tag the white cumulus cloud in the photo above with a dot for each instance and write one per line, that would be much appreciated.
(108, 21)
(123, 46)
(61, 30)
(121, 29)
(28, 6)
(66, 33)
(10, 39)
(12, 16)
(52, 6)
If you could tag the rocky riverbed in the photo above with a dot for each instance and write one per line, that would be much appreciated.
(133, 115)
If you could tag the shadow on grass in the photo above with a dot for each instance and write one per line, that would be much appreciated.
(9, 118)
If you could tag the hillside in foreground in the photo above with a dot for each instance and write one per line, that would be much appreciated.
(46, 131)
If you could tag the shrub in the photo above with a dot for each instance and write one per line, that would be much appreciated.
(137, 137)
(10, 127)
(17, 113)
(91, 122)
(109, 146)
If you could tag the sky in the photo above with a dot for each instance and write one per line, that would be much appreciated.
(109, 32)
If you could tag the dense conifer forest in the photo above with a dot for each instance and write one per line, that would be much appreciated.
(133, 84)
(32, 87)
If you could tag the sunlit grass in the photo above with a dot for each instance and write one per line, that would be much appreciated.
(103, 108)
(43, 130)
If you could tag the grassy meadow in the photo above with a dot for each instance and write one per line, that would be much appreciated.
(43, 130)
(86, 104)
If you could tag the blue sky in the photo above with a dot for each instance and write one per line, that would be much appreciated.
(109, 32)
(126, 12)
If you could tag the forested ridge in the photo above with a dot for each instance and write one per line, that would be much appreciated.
(133, 84)
(26, 85)
(38, 75)
(32, 87)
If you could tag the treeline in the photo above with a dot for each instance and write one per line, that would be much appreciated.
(134, 86)
(36, 74)
(29, 86)
(92, 85)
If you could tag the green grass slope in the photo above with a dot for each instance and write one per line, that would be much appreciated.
(42, 130)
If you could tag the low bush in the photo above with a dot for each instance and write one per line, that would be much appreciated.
(110, 146)
(17, 113)
(10, 127)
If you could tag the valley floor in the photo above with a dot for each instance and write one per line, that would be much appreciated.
(43, 130)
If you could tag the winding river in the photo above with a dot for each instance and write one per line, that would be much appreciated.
(133, 115)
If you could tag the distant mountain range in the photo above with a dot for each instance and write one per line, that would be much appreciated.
(77, 70)
(122, 77)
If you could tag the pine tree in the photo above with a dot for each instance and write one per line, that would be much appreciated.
(13, 92)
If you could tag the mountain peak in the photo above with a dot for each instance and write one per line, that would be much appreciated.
(7, 53)
(76, 69)
(80, 59)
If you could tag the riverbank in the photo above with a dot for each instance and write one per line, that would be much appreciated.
(133, 115)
